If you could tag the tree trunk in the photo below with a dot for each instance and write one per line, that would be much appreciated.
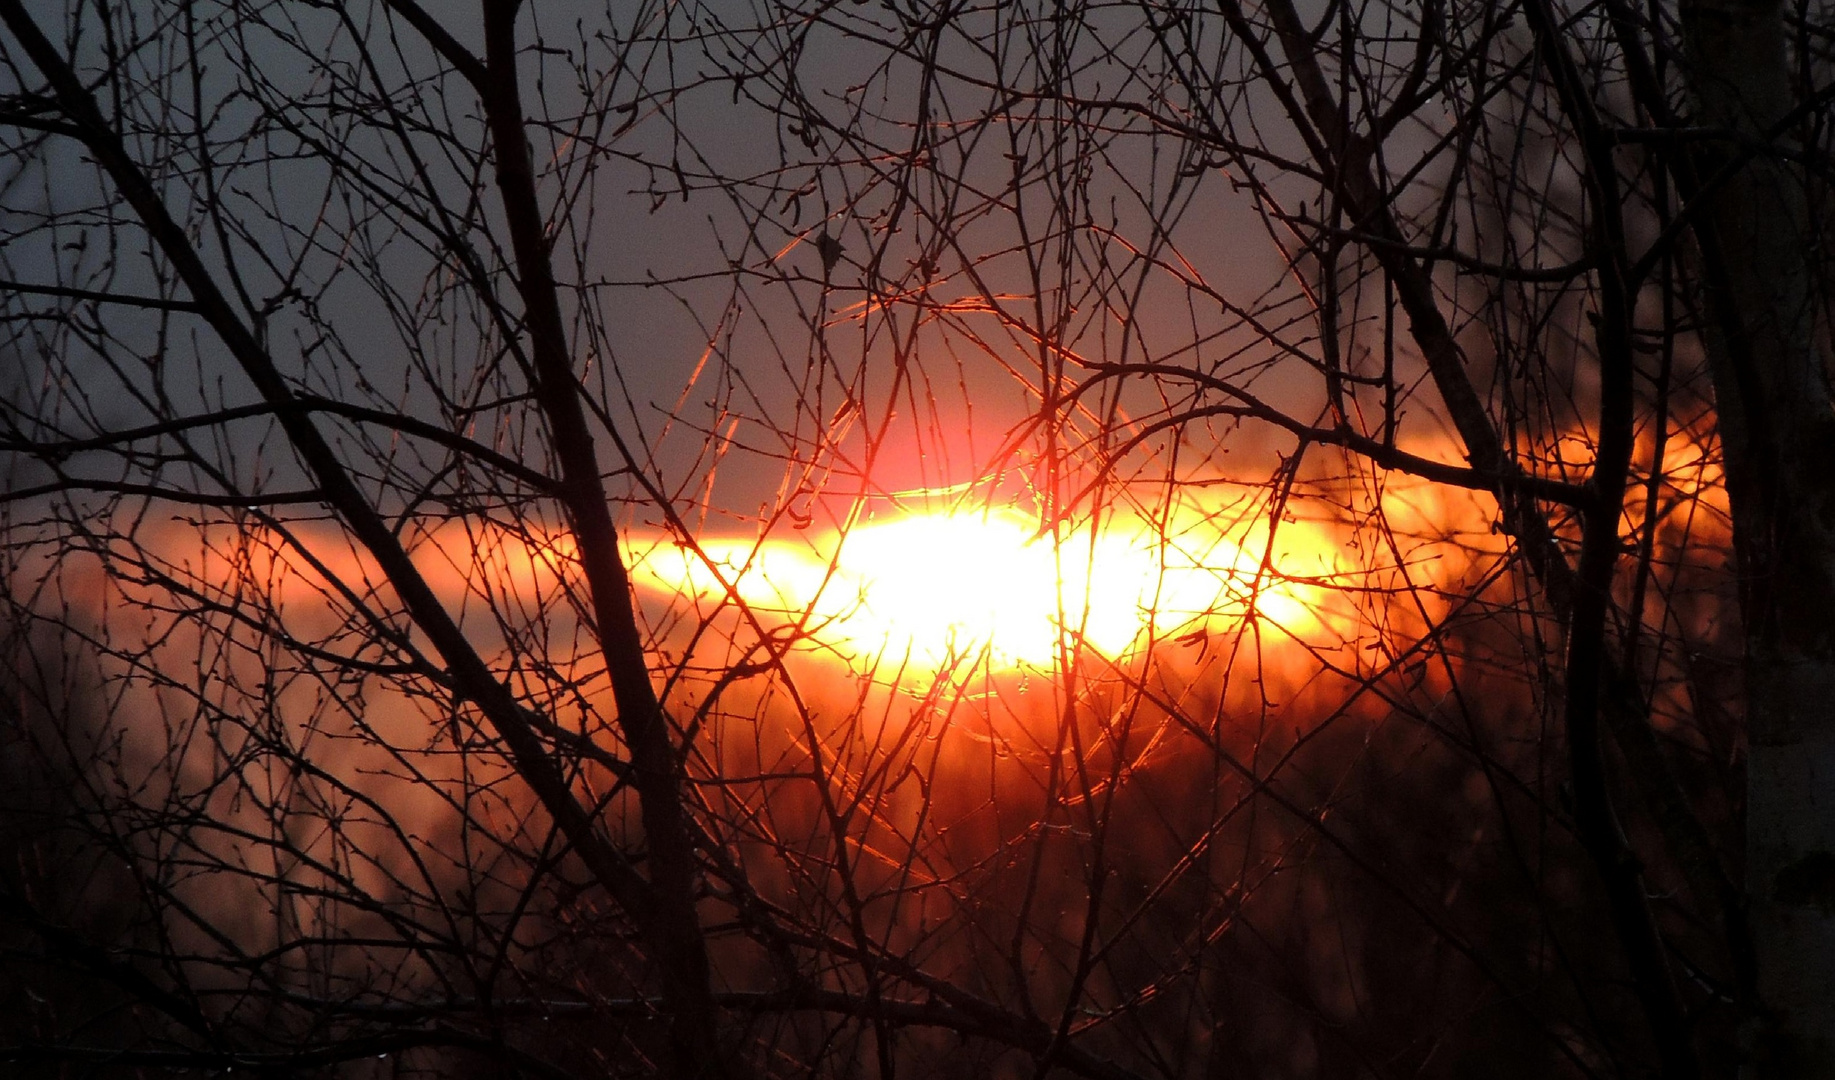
(1778, 437)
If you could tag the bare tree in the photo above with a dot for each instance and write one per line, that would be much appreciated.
(443, 452)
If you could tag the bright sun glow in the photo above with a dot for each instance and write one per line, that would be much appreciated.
(986, 585)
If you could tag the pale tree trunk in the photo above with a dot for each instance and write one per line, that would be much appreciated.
(1778, 435)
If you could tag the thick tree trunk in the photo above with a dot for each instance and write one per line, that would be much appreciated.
(1778, 435)
(672, 927)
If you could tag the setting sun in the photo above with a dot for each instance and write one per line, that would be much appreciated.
(981, 586)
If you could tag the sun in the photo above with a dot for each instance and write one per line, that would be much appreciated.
(982, 587)
(947, 587)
